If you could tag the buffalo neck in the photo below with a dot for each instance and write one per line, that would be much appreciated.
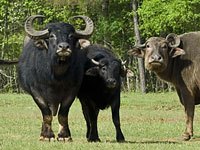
(61, 68)
(168, 73)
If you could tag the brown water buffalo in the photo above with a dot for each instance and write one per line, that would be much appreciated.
(176, 59)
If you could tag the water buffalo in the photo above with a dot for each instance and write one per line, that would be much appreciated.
(100, 89)
(51, 69)
(176, 59)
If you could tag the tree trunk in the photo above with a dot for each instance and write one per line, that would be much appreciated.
(105, 5)
(105, 13)
(138, 41)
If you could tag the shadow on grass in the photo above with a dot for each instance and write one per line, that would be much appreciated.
(152, 142)
(163, 141)
(148, 141)
(195, 139)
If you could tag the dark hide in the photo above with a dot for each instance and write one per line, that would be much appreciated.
(178, 65)
(53, 77)
(101, 89)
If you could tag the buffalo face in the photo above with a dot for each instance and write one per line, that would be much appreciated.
(107, 69)
(156, 57)
(158, 51)
(61, 41)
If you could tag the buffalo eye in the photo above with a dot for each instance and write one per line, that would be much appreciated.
(103, 69)
(70, 36)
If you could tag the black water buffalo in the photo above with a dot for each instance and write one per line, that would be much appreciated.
(100, 89)
(176, 59)
(51, 69)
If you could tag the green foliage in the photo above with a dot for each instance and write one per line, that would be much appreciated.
(113, 27)
(160, 17)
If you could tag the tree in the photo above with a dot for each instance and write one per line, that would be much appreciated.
(138, 41)
(159, 17)
(105, 13)
(114, 27)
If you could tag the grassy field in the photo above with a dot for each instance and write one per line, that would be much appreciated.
(150, 121)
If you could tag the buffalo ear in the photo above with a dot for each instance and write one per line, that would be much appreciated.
(129, 73)
(126, 72)
(94, 71)
(177, 52)
(41, 44)
(138, 52)
(123, 71)
(84, 43)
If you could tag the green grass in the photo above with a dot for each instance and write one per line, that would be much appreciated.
(149, 121)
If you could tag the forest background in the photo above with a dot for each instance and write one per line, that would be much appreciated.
(114, 27)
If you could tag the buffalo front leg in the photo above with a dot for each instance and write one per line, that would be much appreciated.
(116, 120)
(46, 131)
(90, 113)
(64, 132)
(93, 133)
(86, 116)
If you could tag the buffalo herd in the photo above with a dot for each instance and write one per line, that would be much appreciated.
(58, 64)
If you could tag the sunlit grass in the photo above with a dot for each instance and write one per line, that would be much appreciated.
(149, 121)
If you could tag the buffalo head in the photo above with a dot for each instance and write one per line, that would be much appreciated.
(108, 69)
(158, 51)
(58, 38)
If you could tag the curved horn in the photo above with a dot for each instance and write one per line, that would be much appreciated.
(32, 33)
(95, 62)
(173, 39)
(88, 29)
(123, 62)
(140, 45)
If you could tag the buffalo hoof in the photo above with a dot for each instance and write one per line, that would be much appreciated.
(120, 140)
(93, 140)
(186, 136)
(64, 139)
(51, 139)
(47, 133)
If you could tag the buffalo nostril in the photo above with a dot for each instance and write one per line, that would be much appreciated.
(156, 58)
(159, 57)
(114, 82)
(111, 83)
(63, 45)
(152, 57)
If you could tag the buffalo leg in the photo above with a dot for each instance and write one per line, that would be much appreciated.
(64, 133)
(188, 101)
(189, 111)
(93, 115)
(116, 120)
(86, 116)
(46, 131)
